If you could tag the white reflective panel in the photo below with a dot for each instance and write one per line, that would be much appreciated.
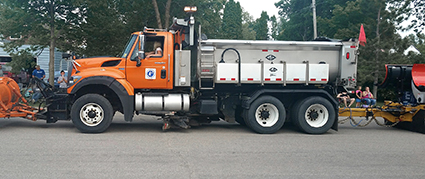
(251, 72)
(227, 73)
(318, 73)
(273, 73)
(295, 73)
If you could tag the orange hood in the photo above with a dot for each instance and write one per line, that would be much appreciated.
(95, 61)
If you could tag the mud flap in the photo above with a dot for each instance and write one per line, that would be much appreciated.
(335, 125)
(418, 122)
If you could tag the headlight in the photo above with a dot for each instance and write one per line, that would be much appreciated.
(73, 80)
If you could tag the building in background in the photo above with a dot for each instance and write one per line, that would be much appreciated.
(41, 58)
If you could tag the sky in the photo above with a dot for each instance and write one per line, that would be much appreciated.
(255, 7)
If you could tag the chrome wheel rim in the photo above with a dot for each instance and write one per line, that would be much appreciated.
(91, 114)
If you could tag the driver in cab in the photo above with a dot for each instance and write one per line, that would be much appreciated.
(157, 51)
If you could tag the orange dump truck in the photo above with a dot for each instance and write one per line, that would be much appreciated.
(188, 79)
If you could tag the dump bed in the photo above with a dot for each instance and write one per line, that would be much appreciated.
(277, 62)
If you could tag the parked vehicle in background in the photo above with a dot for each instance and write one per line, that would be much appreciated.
(21, 78)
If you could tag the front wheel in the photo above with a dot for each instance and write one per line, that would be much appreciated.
(314, 115)
(92, 113)
(266, 115)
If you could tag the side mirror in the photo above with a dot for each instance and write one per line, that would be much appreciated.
(140, 56)
(141, 53)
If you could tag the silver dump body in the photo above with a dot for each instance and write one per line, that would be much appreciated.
(277, 62)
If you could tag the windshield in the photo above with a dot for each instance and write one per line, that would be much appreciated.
(128, 46)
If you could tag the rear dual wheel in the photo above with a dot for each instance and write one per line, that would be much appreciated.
(266, 115)
(313, 115)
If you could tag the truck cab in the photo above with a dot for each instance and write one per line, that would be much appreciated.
(153, 71)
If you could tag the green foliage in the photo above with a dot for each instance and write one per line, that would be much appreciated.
(38, 22)
(232, 21)
(108, 24)
(248, 32)
(418, 12)
(297, 21)
(261, 27)
(417, 41)
(275, 28)
(209, 16)
(22, 60)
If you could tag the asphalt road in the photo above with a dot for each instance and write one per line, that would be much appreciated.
(219, 150)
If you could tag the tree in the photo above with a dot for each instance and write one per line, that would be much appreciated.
(248, 32)
(275, 29)
(209, 16)
(418, 41)
(261, 27)
(297, 21)
(384, 45)
(163, 10)
(232, 21)
(418, 23)
(40, 22)
(158, 15)
(22, 59)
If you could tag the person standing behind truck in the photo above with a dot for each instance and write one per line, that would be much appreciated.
(62, 80)
(39, 73)
(1, 71)
(359, 95)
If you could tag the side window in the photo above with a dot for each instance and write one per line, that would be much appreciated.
(134, 55)
(154, 46)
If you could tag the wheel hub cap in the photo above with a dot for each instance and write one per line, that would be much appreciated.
(91, 114)
(313, 115)
(317, 115)
(264, 114)
(267, 115)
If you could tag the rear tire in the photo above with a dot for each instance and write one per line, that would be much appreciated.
(266, 115)
(314, 115)
(92, 113)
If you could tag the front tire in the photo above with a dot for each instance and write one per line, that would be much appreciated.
(266, 115)
(314, 115)
(92, 113)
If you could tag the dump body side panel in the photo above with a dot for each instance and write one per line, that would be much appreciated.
(285, 62)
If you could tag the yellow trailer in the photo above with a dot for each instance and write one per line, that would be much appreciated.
(409, 113)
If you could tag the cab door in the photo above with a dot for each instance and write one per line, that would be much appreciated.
(155, 70)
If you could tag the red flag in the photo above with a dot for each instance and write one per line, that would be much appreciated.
(362, 36)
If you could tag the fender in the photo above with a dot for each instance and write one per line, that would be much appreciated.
(246, 103)
(126, 97)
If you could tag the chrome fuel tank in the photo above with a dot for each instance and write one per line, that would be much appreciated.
(162, 102)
